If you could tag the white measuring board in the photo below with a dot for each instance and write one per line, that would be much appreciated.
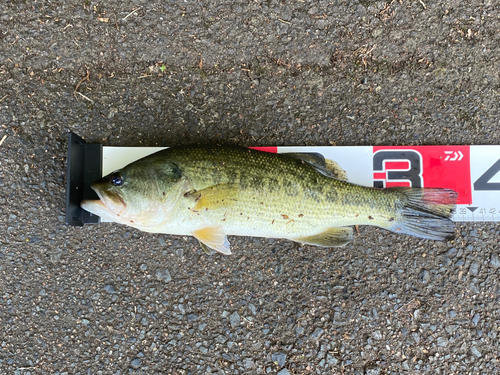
(472, 171)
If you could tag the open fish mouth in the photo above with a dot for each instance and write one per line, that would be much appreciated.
(113, 202)
(109, 206)
(97, 207)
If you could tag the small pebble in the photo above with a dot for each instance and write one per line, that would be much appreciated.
(252, 308)
(161, 240)
(163, 275)
(424, 276)
(452, 329)
(109, 288)
(475, 319)
(143, 267)
(221, 339)
(248, 363)
(441, 341)
(234, 319)
(136, 363)
(279, 358)
(495, 263)
(192, 317)
(331, 360)
(34, 239)
(476, 352)
(317, 333)
(473, 288)
(474, 268)
(55, 255)
(279, 269)
(415, 337)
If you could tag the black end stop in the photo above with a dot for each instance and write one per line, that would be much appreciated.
(84, 167)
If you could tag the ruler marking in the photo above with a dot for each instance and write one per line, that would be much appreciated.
(473, 171)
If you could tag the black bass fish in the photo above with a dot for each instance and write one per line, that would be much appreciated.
(210, 192)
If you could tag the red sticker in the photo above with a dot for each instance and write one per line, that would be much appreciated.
(272, 150)
(424, 166)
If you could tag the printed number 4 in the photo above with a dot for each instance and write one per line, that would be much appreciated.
(483, 182)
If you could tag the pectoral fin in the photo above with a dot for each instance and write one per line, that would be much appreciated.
(213, 238)
(217, 196)
(332, 237)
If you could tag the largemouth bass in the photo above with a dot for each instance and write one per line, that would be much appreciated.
(213, 191)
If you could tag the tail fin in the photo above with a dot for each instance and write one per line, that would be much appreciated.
(426, 213)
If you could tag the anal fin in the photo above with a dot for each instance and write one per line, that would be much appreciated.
(214, 238)
(332, 237)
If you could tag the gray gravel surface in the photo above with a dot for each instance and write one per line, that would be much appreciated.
(106, 299)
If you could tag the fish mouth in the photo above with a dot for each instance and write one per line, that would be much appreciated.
(98, 208)
(114, 203)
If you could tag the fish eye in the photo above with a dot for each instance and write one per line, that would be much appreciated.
(116, 179)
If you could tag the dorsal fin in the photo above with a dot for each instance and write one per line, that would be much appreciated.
(324, 166)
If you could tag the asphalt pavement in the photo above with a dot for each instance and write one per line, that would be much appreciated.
(107, 299)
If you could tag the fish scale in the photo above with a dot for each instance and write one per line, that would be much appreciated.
(213, 191)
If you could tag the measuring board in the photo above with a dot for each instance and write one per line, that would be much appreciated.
(472, 171)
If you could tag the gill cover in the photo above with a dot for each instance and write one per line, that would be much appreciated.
(142, 194)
